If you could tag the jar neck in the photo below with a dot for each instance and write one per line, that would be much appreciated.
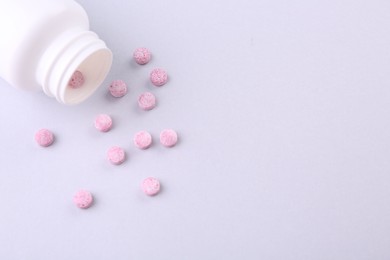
(74, 50)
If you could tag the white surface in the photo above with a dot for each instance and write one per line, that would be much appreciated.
(282, 109)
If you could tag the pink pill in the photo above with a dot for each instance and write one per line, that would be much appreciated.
(168, 137)
(44, 137)
(146, 101)
(158, 77)
(142, 56)
(83, 199)
(142, 140)
(103, 122)
(118, 88)
(151, 186)
(116, 155)
(77, 80)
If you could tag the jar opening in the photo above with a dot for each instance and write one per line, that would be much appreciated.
(94, 70)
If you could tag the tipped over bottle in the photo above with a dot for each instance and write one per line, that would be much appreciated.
(46, 44)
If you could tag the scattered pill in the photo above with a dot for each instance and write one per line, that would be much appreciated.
(77, 80)
(44, 137)
(142, 56)
(103, 123)
(83, 199)
(116, 155)
(146, 101)
(158, 77)
(168, 137)
(151, 186)
(142, 140)
(118, 88)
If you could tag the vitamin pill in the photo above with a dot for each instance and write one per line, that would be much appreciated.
(142, 56)
(142, 140)
(116, 155)
(168, 137)
(146, 101)
(151, 186)
(158, 77)
(83, 199)
(103, 122)
(118, 88)
(44, 137)
(77, 80)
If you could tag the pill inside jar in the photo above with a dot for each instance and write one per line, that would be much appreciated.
(77, 80)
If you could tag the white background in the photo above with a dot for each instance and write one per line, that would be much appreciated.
(282, 110)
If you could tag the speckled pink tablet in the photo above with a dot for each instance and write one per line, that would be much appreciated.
(147, 101)
(116, 155)
(142, 140)
(142, 56)
(77, 80)
(103, 122)
(44, 137)
(118, 88)
(158, 77)
(83, 199)
(168, 137)
(151, 186)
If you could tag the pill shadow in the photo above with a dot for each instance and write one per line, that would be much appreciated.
(161, 191)
(110, 97)
(148, 86)
(94, 202)
(55, 142)
(135, 66)
(178, 142)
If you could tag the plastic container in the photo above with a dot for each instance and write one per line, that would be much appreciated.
(43, 42)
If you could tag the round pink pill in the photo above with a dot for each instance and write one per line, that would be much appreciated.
(118, 88)
(44, 137)
(168, 137)
(142, 140)
(146, 101)
(77, 80)
(103, 122)
(83, 199)
(142, 56)
(158, 77)
(151, 186)
(116, 155)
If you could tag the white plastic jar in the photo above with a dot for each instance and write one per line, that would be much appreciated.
(43, 42)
